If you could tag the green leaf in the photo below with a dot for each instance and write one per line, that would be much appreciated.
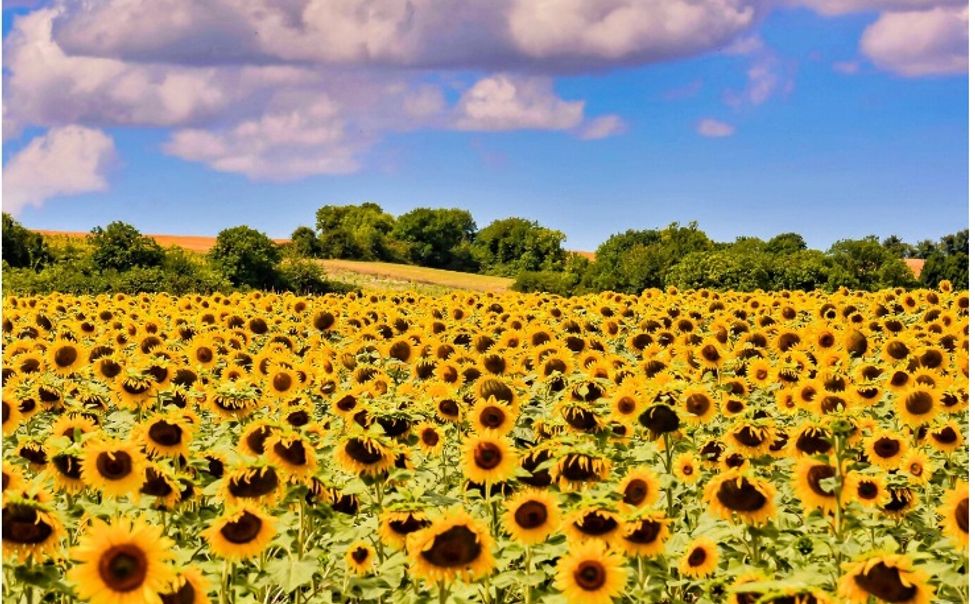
(291, 574)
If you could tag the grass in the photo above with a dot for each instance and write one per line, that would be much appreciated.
(386, 275)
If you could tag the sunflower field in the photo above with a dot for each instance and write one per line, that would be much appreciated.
(670, 447)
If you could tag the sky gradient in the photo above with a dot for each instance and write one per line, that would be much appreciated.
(750, 117)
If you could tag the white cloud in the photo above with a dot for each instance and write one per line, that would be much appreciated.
(713, 128)
(844, 7)
(603, 126)
(767, 76)
(919, 43)
(69, 160)
(506, 102)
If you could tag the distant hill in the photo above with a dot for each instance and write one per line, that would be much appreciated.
(193, 243)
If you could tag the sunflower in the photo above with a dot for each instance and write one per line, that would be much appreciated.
(626, 406)
(917, 466)
(364, 455)
(114, 467)
(700, 559)
(490, 415)
(644, 534)
(292, 454)
(13, 478)
(639, 487)
(12, 417)
(945, 436)
(252, 483)
(241, 533)
(281, 382)
(591, 573)
(592, 522)
(733, 493)
(202, 352)
(360, 557)
(686, 468)
(899, 502)
(575, 471)
(885, 577)
(431, 438)
(65, 357)
(917, 405)
(955, 511)
(454, 546)
(488, 458)
(867, 489)
(162, 484)
(760, 372)
(65, 469)
(885, 449)
(189, 587)
(531, 516)
(396, 525)
(166, 435)
(122, 562)
(697, 405)
(30, 530)
(808, 484)
(73, 426)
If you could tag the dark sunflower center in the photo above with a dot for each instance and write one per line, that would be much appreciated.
(430, 437)
(900, 499)
(590, 575)
(741, 496)
(712, 451)
(135, 389)
(750, 437)
(359, 451)
(887, 447)
(697, 557)
(961, 515)
(65, 356)
(186, 594)
(408, 525)
(242, 530)
(817, 473)
(734, 406)
(919, 403)
(492, 417)
(123, 568)
(114, 466)
(626, 405)
(581, 419)
(165, 433)
(109, 368)
(813, 442)
(868, 490)
(885, 583)
(360, 554)
(400, 351)
(256, 438)
(579, 468)
(660, 419)
(257, 484)
(596, 524)
(68, 465)
(636, 491)
(449, 408)
(298, 418)
(698, 404)
(155, 484)
(294, 452)
(931, 359)
(531, 514)
(899, 378)
(6, 411)
(498, 389)
(454, 547)
(282, 382)
(346, 403)
(646, 533)
(21, 525)
(204, 355)
(897, 350)
(711, 353)
(487, 456)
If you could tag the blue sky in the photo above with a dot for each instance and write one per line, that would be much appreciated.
(807, 119)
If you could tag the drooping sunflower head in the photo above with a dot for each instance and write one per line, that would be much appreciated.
(166, 434)
(884, 577)
(189, 587)
(644, 534)
(363, 454)
(577, 470)
(454, 546)
(241, 533)
(31, 531)
(292, 454)
(593, 521)
(120, 561)
(252, 483)
(590, 573)
(397, 523)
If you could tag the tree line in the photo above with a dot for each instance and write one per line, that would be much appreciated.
(119, 258)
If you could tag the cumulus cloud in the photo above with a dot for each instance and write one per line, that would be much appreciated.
(68, 160)
(919, 43)
(713, 128)
(506, 102)
(603, 126)
(844, 7)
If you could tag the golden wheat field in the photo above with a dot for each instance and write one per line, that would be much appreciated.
(486, 447)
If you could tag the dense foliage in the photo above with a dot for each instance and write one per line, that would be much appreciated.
(671, 447)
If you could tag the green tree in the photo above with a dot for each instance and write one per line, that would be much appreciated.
(21, 246)
(867, 264)
(121, 246)
(949, 260)
(355, 232)
(247, 257)
(437, 237)
(304, 243)
(513, 245)
(785, 243)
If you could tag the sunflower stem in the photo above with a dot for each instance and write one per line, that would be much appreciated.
(668, 462)
(441, 592)
(529, 569)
